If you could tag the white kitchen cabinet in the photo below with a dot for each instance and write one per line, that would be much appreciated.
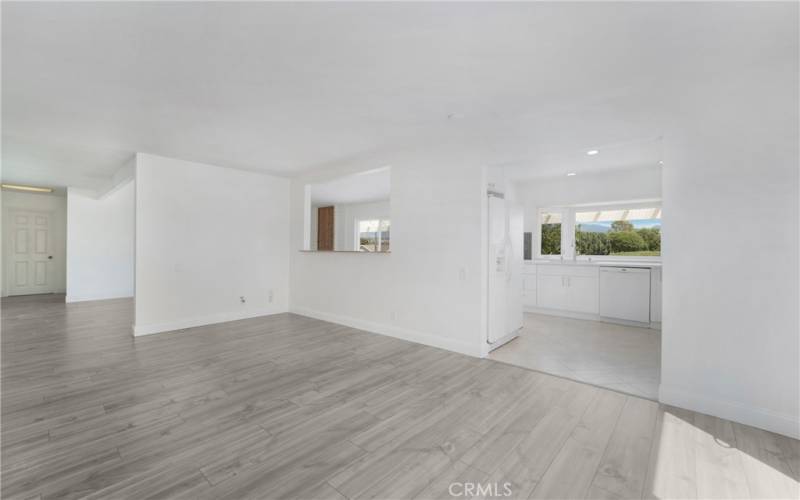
(582, 294)
(595, 290)
(567, 287)
(551, 291)
(529, 290)
(529, 285)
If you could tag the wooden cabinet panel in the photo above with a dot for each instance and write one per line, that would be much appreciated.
(325, 228)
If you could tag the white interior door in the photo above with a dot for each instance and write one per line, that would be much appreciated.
(30, 266)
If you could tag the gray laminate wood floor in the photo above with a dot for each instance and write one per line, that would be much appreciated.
(291, 407)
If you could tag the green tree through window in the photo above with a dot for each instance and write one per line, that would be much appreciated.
(629, 232)
(621, 226)
(551, 239)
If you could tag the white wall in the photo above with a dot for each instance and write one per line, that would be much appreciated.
(100, 244)
(45, 203)
(429, 288)
(731, 331)
(206, 235)
(623, 184)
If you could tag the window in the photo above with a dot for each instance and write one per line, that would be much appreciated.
(628, 232)
(373, 235)
(550, 232)
(619, 231)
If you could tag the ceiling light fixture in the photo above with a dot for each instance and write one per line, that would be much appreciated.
(571, 174)
(592, 152)
(27, 188)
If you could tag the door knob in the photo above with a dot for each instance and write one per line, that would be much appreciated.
(50, 257)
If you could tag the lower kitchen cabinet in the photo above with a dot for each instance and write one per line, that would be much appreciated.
(551, 291)
(579, 290)
(582, 294)
(567, 288)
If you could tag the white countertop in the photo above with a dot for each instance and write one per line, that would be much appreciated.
(599, 263)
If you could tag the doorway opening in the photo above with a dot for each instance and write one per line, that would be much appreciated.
(589, 278)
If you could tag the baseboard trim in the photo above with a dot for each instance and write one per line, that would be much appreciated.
(561, 314)
(780, 423)
(169, 326)
(71, 298)
(49, 292)
(590, 317)
(393, 331)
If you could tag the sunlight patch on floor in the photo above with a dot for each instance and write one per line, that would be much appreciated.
(702, 459)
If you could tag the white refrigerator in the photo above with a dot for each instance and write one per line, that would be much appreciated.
(504, 270)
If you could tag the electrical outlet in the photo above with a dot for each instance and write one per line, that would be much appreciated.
(393, 315)
(271, 296)
(242, 299)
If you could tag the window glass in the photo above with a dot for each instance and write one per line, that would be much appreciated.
(550, 233)
(374, 235)
(622, 232)
(385, 235)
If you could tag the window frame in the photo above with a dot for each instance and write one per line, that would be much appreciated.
(568, 250)
(563, 211)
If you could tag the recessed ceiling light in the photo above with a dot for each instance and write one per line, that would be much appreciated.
(592, 152)
(571, 174)
(660, 162)
(27, 188)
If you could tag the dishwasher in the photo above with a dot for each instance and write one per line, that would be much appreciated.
(625, 293)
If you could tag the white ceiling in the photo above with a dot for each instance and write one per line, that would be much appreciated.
(282, 87)
(364, 187)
